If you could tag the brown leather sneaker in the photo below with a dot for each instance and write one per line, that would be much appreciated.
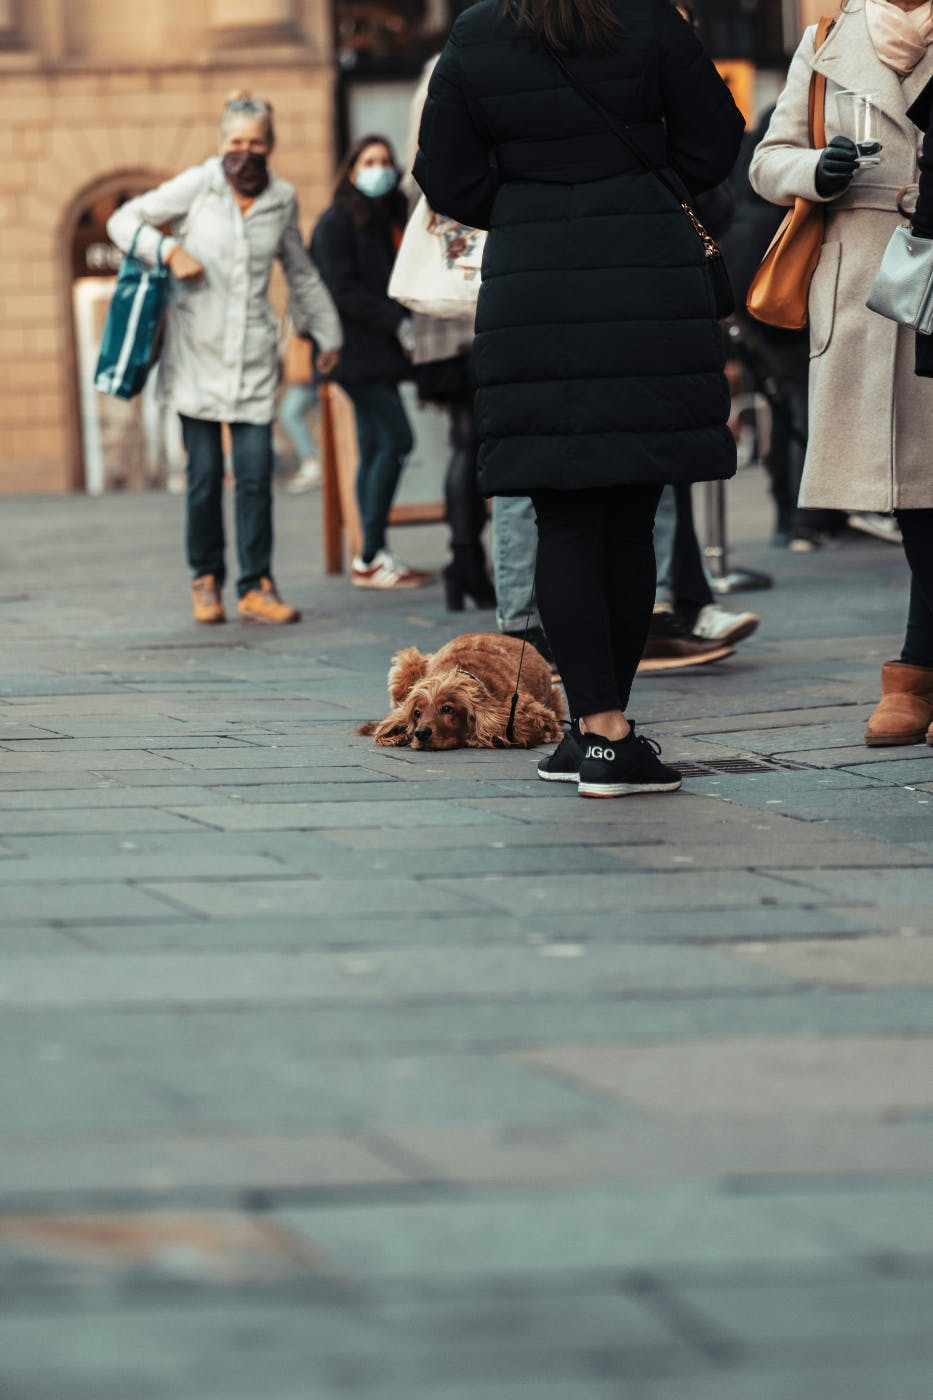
(263, 604)
(206, 602)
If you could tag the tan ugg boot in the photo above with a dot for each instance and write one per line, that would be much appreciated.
(905, 713)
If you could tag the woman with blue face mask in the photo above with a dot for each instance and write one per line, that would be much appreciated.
(354, 246)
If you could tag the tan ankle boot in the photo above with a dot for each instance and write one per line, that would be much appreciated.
(905, 713)
(206, 600)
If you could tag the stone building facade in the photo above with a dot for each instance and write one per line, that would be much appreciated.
(99, 100)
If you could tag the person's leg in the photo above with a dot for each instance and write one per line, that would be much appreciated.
(252, 471)
(595, 582)
(689, 583)
(630, 578)
(514, 550)
(904, 715)
(665, 530)
(466, 574)
(385, 440)
(465, 507)
(204, 517)
(571, 587)
(297, 402)
(917, 530)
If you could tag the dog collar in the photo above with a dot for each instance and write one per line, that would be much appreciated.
(461, 670)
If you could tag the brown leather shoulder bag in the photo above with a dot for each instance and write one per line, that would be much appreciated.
(780, 289)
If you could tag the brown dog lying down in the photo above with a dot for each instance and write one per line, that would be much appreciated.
(461, 696)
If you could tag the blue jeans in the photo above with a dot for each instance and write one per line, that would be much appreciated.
(682, 580)
(297, 402)
(385, 440)
(514, 550)
(252, 472)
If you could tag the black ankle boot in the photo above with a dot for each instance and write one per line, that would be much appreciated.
(466, 576)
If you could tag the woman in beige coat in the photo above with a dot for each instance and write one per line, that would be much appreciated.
(871, 422)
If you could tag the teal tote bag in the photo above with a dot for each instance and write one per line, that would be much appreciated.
(130, 342)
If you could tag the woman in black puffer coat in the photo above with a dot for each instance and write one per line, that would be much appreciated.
(599, 355)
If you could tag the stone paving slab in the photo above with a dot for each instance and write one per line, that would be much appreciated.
(862, 1077)
(444, 926)
(199, 1161)
(204, 979)
(78, 900)
(91, 791)
(510, 1236)
(865, 962)
(703, 890)
(665, 1152)
(312, 816)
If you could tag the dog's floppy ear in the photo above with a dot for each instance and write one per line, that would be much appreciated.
(534, 724)
(408, 667)
(490, 723)
(391, 732)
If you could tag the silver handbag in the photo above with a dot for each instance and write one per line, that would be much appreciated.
(903, 287)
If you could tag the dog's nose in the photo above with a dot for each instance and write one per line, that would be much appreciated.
(423, 734)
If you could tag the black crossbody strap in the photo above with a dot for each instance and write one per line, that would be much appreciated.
(620, 132)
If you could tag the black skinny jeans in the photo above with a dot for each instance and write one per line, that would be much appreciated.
(917, 529)
(595, 583)
(466, 509)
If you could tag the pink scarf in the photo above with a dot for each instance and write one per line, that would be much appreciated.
(900, 37)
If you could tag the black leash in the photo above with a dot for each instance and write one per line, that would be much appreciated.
(510, 727)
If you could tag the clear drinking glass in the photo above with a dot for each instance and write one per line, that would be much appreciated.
(858, 116)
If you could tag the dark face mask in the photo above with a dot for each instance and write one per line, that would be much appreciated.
(247, 171)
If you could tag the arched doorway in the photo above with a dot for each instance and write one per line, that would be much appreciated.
(118, 445)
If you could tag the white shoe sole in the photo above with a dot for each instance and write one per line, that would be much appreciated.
(733, 634)
(558, 777)
(625, 789)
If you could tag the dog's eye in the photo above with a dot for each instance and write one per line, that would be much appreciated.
(447, 709)
(416, 714)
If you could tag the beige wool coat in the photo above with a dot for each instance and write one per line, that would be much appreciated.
(871, 418)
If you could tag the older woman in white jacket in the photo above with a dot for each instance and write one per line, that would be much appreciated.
(871, 421)
(230, 218)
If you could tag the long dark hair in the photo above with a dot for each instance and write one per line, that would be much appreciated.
(561, 23)
(362, 209)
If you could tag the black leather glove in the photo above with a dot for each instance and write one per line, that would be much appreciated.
(838, 164)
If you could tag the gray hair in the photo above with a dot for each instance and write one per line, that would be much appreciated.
(244, 104)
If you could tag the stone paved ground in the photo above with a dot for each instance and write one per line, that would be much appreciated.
(335, 1072)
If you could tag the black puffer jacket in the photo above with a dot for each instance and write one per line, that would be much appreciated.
(355, 262)
(598, 356)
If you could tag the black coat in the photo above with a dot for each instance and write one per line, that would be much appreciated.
(598, 356)
(922, 223)
(355, 262)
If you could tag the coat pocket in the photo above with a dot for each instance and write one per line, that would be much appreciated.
(822, 303)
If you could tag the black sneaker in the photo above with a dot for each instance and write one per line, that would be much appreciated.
(623, 767)
(563, 765)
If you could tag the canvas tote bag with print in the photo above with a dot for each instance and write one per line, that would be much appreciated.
(438, 269)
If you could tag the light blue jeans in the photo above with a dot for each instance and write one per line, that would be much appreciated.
(297, 402)
(514, 552)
